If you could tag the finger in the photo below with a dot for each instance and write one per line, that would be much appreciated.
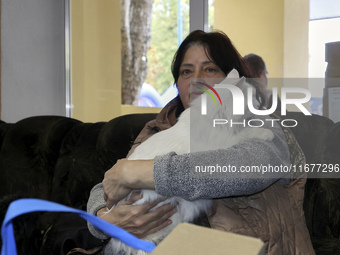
(152, 204)
(159, 215)
(163, 208)
(165, 223)
(105, 191)
(137, 195)
(165, 211)
(134, 197)
(162, 222)
(110, 203)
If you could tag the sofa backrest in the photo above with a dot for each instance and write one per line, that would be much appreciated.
(61, 159)
(310, 133)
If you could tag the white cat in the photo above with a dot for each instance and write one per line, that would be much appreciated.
(177, 139)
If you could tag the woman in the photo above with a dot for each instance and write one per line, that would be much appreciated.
(259, 207)
(258, 70)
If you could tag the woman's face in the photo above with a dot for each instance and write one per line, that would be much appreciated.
(196, 64)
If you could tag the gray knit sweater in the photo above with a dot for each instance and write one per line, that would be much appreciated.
(174, 176)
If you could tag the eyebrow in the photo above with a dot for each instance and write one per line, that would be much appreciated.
(203, 63)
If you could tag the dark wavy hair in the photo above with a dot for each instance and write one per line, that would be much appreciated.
(219, 49)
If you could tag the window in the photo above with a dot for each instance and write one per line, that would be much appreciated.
(170, 24)
(323, 28)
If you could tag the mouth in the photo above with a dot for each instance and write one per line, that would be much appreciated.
(196, 93)
(197, 88)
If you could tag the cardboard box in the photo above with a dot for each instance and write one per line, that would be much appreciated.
(189, 239)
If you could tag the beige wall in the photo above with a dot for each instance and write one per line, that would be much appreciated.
(296, 22)
(96, 68)
(276, 30)
(254, 27)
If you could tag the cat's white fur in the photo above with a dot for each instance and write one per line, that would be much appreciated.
(177, 139)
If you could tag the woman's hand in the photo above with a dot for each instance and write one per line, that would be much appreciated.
(137, 219)
(125, 176)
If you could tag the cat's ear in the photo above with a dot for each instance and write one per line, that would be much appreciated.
(233, 74)
(232, 77)
(240, 82)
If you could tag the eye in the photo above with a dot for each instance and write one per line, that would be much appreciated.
(211, 69)
(185, 72)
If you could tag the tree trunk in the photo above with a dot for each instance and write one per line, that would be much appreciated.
(136, 37)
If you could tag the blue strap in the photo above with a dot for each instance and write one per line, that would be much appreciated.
(23, 206)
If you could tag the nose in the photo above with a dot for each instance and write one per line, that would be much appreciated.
(197, 74)
(198, 78)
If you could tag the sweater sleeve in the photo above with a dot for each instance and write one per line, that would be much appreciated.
(95, 203)
(175, 175)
